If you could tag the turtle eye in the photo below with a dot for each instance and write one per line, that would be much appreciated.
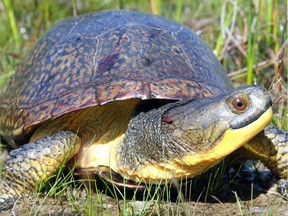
(239, 103)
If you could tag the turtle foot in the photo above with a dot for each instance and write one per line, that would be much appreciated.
(32, 164)
(282, 187)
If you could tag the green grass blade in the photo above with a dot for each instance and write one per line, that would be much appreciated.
(252, 40)
(178, 11)
(268, 19)
(11, 16)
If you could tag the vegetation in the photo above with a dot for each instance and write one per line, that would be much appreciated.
(248, 37)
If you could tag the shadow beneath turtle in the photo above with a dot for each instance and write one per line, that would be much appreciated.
(241, 181)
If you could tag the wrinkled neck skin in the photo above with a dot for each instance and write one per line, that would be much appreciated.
(165, 135)
(145, 141)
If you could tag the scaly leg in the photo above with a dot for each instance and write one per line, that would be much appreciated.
(271, 147)
(34, 163)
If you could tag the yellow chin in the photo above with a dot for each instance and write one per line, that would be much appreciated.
(193, 165)
(232, 140)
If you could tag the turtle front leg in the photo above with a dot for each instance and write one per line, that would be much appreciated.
(34, 163)
(271, 147)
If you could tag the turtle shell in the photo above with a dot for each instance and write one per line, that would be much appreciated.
(99, 58)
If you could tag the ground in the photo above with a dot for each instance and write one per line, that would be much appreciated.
(242, 192)
(269, 203)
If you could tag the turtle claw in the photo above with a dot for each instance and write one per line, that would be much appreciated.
(6, 202)
(282, 187)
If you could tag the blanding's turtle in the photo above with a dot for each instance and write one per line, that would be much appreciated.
(134, 92)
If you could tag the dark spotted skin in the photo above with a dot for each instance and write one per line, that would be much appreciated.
(98, 58)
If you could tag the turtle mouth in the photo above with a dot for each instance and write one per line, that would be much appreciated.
(218, 141)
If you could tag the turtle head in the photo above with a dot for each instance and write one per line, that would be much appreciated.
(185, 138)
(214, 127)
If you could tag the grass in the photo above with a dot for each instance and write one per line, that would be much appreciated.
(248, 37)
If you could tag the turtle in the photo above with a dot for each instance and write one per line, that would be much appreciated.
(132, 92)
